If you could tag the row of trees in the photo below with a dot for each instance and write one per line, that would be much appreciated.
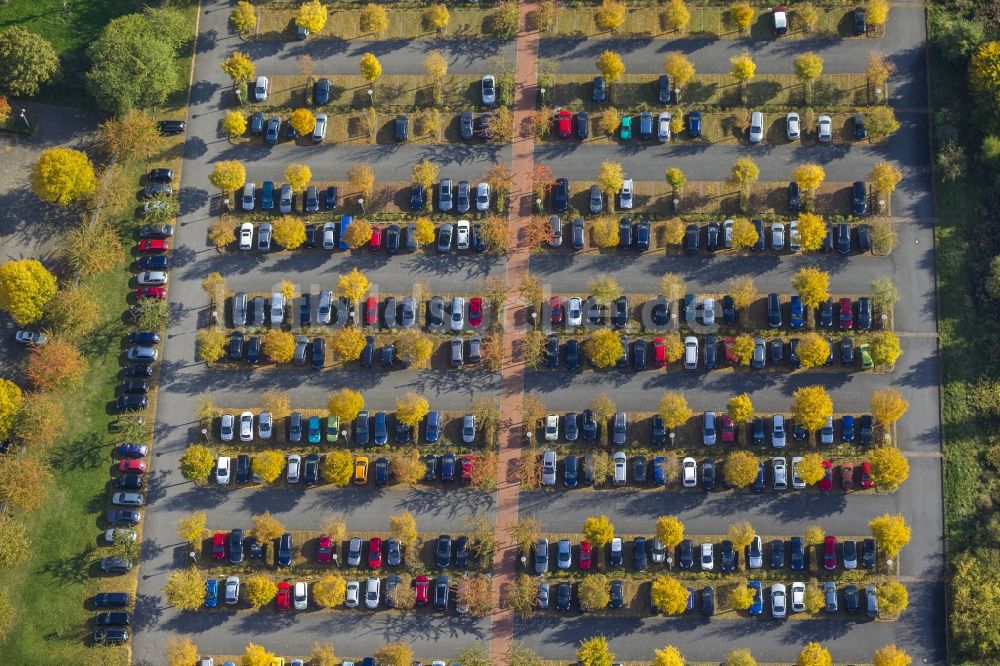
(596, 651)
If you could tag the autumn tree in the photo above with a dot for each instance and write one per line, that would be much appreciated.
(353, 286)
(813, 350)
(244, 19)
(599, 530)
(304, 122)
(595, 651)
(197, 462)
(438, 16)
(347, 343)
(808, 68)
(239, 67)
(670, 531)
(374, 18)
(742, 15)
(228, 176)
(524, 533)
(744, 175)
(610, 15)
(741, 534)
(298, 175)
(181, 650)
(191, 529)
(808, 177)
(259, 590)
(520, 595)
(743, 70)
(403, 526)
(415, 347)
(740, 597)
(370, 67)
(885, 176)
(744, 233)
(881, 122)
(812, 231)
(890, 655)
(677, 180)
(891, 532)
(394, 654)
(268, 465)
(337, 468)
(312, 16)
(888, 405)
(811, 407)
(604, 231)
(743, 289)
(603, 348)
(604, 289)
(362, 177)
(279, 346)
(743, 346)
(40, 421)
(56, 365)
(185, 589)
(425, 231)
(610, 178)
(879, 69)
(329, 591)
(425, 173)
(62, 176)
(813, 286)
(289, 232)
(676, 64)
(610, 65)
(234, 123)
(878, 12)
(677, 16)
(27, 61)
(740, 469)
(609, 120)
(741, 657)
(669, 595)
(674, 410)
(130, 135)
(673, 286)
(814, 654)
(265, 526)
(276, 402)
(345, 404)
(211, 343)
(890, 468)
(885, 348)
(15, 546)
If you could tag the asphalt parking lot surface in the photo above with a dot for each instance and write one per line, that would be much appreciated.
(184, 379)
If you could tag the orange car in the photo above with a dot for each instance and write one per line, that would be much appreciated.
(361, 470)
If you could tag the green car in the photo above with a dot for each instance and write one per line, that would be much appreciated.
(626, 130)
(866, 357)
(332, 428)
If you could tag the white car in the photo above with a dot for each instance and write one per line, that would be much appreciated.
(264, 425)
(708, 311)
(777, 236)
(794, 238)
(319, 131)
(372, 590)
(277, 308)
(574, 312)
(797, 481)
(233, 590)
(707, 557)
(756, 127)
(689, 472)
(226, 427)
(483, 196)
(625, 196)
(462, 235)
(792, 127)
(549, 468)
(551, 428)
(246, 426)
(620, 461)
(457, 314)
(779, 468)
(663, 127)
(489, 87)
(798, 594)
(31, 338)
(329, 236)
(351, 596)
(616, 548)
(246, 236)
(755, 553)
(778, 431)
(128, 499)
(325, 307)
(778, 601)
(825, 129)
(151, 278)
(300, 596)
(223, 468)
(248, 202)
(294, 468)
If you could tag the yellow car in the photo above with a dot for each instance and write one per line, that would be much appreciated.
(361, 470)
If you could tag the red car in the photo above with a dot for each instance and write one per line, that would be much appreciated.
(375, 553)
(151, 292)
(376, 239)
(729, 349)
(846, 476)
(219, 546)
(830, 553)
(556, 306)
(659, 353)
(284, 599)
(476, 312)
(826, 483)
(728, 429)
(423, 590)
(371, 311)
(153, 246)
(324, 552)
(564, 124)
(846, 314)
(584, 554)
(132, 466)
(466, 469)
(866, 475)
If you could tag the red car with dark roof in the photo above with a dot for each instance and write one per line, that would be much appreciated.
(219, 546)
(564, 124)
(132, 466)
(284, 599)
(371, 311)
(324, 552)
(375, 242)
(585, 554)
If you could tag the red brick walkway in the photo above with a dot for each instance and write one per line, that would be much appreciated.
(512, 383)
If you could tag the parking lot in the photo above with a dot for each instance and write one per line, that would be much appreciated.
(442, 509)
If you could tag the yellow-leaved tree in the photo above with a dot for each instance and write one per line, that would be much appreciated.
(234, 123)
(610, 65)
(595, 652)
(373, 18)
(62, 176)
(891, 531)
(603, 348)
(26, 286)
(228, 175)
(610, 15)
(599, 530)
(811, 407)
(674, 410)
(311, 16)
(345, 404)
(741, 14)
(813, 350)
(370, 67)
(740, 469)
(303, 121)
(814, 654)
(669, 595)
(353, 286)
(812, 231)
(677, 66)
(813, 285)
(808, 68)
(677, 16)
(890, 468)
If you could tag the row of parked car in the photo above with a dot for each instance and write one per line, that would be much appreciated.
(376, 427)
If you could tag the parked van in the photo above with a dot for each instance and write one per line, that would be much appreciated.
(260, 89)
(756, 127)
(690, 353)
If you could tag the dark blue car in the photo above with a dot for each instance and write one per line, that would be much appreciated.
(694, 124)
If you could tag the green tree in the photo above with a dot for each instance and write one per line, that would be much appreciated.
(27, 61)
(15, 546)
(132, 63)
(595, 652)
(669, 595)
(63, 176)
(25, 288)
(599, 530)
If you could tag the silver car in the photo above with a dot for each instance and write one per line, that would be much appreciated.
(264, 237)
(792, 126)
(226, 429)
(458, 314)
(354, 552)
(469, 428)
(663, 127)
(352, 593)
(285, 200)
(264, 425)
(830, 595)
(329, 236)
(246, 426)
(596, 199)
(277, 308)
(408, 315)
(372, 592)
(483, 196)
(233, 590)
(825, 129)
(325, 307)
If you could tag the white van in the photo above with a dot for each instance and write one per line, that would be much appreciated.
(690, 353)
(260, 89)
(756, 127)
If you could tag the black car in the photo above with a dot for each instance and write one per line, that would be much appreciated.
(430, 467)
(466, 126)
(130, 482)
(866, 433)
(711, 352)
(625, 233)
(321, 92)
(619, 313)
(639, 465)
(310, 469)
(864, 238)
(794, 362)
(552, 351)
(617, 594)
(777, 351)
(154, 262)
(418, 197)
(478, 242)
(685, 554)
(600, 93)
(168, 127)
(847, 351)
(110, 636)
(843, 234)
(441, 584)
(582, 125)
(368, 352)
(236, 546)
(589, 428)
(759, 481)
(111, 599)
(158, 231)
(642, 232)
(864, 313)
(400, 128)
(758, 431)
(310, 236)
(615, 558)
(826, 313)
(331, 197)
(388, 356)
(144, 338)
(442, 557)
(160, 175)
(391, 583)
(828, 239)
(448, 467)
(708, 474)
(573, 355)
(794, 199)
(113, 619)
(131, 402)
(242, 468)
(623, 359)
(564, 596)
(284, 557)
(253, 350)
(860, 131)
(860, 21)
(257, 123)
(660, 311)
(708, 601)
(639, 551)
(659, 431)
(712, 236)
(462, 552)
(639, 351)
(859, 198)
(728, 310)
(121, 517)
(777, 554)
(692, 237)
(868, 553)
(798, 554)
(404, 433)
(664, 88)
(560, 195)
(758, 225)
(728, 556)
